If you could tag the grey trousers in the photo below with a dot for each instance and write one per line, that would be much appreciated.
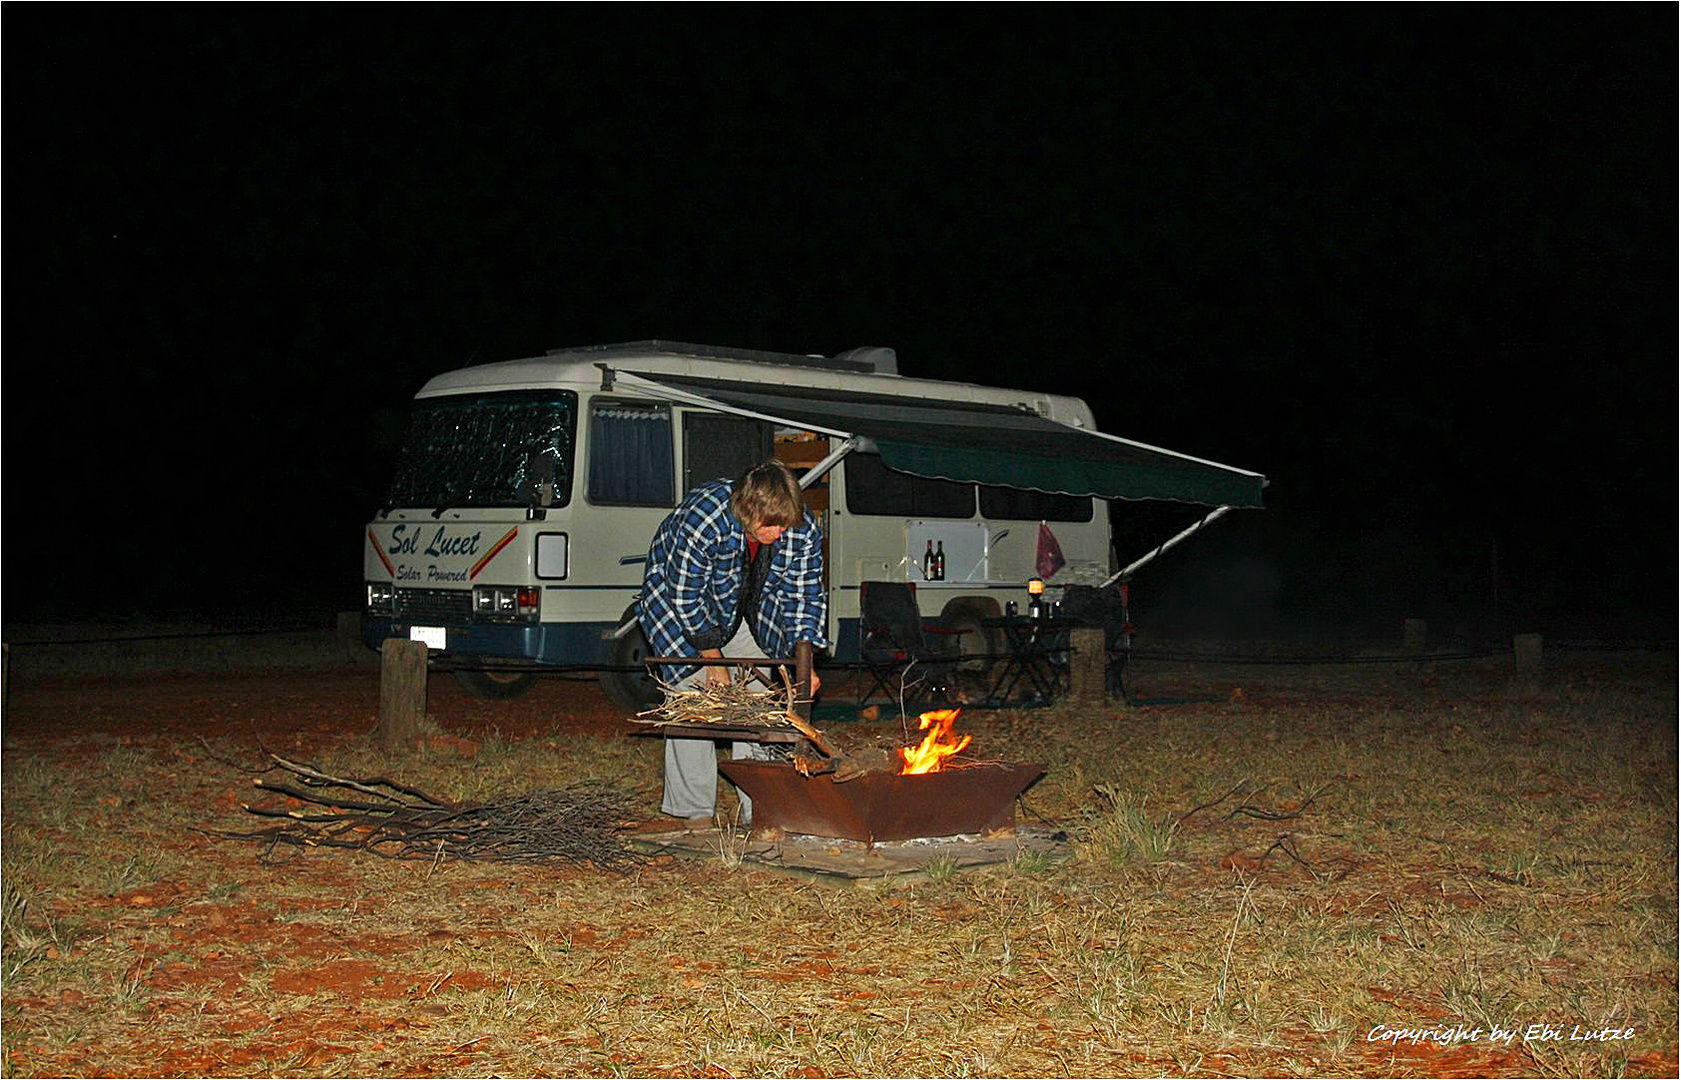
(691, 765)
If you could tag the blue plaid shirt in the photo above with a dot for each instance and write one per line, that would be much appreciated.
(696, 567)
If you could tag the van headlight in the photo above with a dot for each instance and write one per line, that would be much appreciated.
(382, 597)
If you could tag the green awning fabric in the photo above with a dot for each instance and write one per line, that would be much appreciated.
(985, 444)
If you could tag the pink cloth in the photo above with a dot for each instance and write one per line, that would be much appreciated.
(1049, 559)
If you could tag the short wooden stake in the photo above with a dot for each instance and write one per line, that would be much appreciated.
(1087, 666)
(349, 632)
(402, 693)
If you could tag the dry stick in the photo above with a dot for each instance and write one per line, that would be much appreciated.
(755, 1005)
(228, 761)
(348, 804)
(1273, 815)
(905, 684)
(1283, 844)
(1214, 803)
(1226, 964)
(798, 721)
(369, 784)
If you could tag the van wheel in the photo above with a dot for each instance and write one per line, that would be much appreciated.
(632, 691)
(975, 638)
(495, 685)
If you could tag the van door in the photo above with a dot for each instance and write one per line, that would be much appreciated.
(800, 451)
(717, 446)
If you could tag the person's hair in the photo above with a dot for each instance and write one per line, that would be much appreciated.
(767, 494)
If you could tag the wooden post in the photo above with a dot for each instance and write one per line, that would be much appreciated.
(1087, 667)
(1413, 635)
(402, 693)
(1526, 665)
(349, 630)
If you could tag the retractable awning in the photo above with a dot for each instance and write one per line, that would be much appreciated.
(974, 443)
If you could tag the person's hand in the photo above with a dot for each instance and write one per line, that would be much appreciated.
(715, 676)
(815, 683)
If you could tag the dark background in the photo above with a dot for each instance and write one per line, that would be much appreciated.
(1415, 265)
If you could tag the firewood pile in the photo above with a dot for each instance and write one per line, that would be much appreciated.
(732, 704)
(392, 820)
(739, 704)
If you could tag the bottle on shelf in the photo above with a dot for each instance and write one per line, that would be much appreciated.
(940, 561)
(928, 562)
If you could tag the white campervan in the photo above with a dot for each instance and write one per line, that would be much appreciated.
(527, 493)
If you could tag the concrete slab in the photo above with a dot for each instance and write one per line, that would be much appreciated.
(851, 861)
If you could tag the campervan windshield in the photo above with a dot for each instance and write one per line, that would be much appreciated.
(488, 450)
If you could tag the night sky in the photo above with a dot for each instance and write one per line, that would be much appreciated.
(1416, 265)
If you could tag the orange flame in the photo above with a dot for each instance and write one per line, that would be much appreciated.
(937, 745)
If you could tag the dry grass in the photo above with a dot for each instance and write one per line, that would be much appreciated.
(1261, 880)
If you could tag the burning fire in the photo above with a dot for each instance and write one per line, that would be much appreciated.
(937, 744)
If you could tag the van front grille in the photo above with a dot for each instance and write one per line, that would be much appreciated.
(444, 605)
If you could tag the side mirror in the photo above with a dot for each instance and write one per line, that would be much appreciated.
(539, 479)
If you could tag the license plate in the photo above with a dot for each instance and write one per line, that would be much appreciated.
(433, 635)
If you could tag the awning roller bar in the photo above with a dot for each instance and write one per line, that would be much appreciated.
(684, 397)
(974, 442)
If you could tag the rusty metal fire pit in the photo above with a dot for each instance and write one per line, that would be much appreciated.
(883, 806)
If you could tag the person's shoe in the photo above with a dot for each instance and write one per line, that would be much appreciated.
(698, 824)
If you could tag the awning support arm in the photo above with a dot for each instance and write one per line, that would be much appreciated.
(1184, 534)
(815, 473)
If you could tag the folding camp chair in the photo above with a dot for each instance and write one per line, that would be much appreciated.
(893, 644)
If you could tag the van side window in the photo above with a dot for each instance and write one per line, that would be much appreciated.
(873, 488)
(1017, 504)
(630, 454)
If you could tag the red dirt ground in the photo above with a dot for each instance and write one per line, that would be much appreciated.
(274, 707)
(67, 717)
(339, 705)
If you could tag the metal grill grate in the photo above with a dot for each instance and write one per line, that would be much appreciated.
(453, 604)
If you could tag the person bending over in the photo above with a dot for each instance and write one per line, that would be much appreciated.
(736, 570)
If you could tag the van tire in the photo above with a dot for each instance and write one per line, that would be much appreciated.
(496, 685)
(632, 691)
(975, 638)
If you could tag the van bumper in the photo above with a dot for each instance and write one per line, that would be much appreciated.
(543, 643)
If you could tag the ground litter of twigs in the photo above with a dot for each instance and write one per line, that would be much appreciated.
(1403, 870)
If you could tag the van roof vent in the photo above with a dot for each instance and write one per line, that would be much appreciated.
(881, 359)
